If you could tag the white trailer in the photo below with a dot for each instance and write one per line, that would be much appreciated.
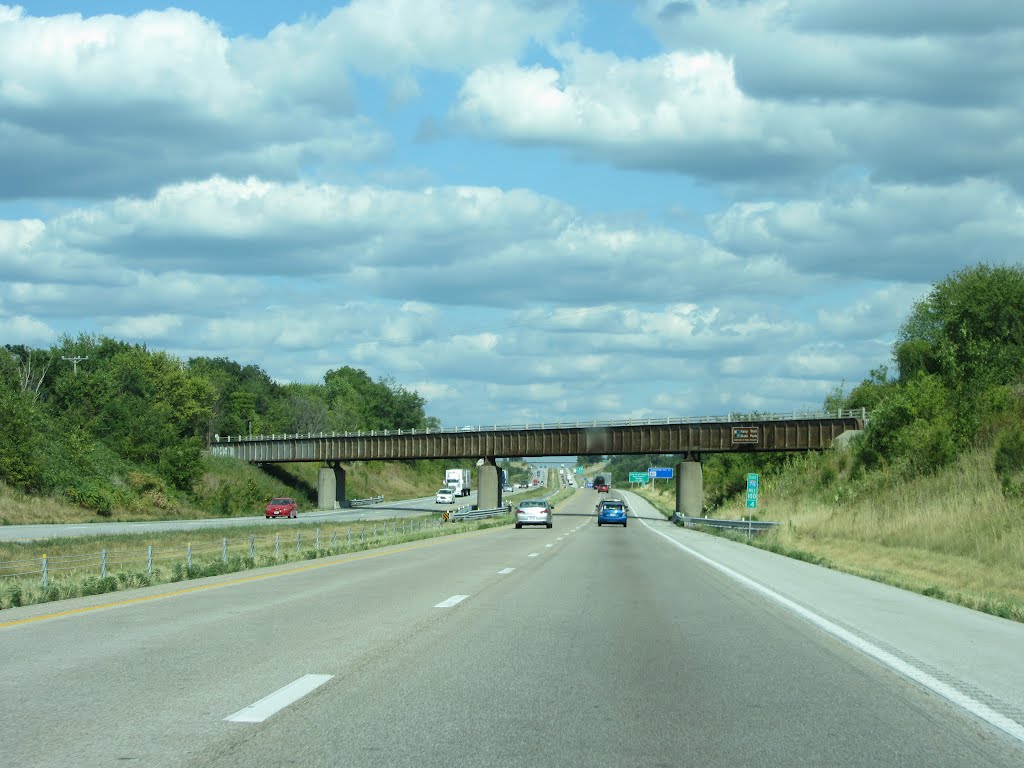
(459, 480)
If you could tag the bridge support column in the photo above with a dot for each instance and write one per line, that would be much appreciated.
(488, 493)
(330, 487)
(689, 488)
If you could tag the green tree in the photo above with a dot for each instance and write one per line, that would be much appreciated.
(20, 440)
(969, 330)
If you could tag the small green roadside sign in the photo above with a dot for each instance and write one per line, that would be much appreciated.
(578, 470)
(752, 483)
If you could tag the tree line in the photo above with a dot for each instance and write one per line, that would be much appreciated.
(78, 416)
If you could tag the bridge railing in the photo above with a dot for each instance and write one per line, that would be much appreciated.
(730, 418)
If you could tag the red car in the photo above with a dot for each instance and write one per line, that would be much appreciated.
(603, 489)
(283, 507)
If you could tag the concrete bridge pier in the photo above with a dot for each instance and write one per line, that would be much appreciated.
(689, 488)
(488, 493)
(330, 486)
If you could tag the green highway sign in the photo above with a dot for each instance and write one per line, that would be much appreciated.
(638, 477)
(752, 483)
(578, 470)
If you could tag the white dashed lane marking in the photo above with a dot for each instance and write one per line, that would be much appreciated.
(453, 600)
(278, 700)
(506, 570)
(533, 554)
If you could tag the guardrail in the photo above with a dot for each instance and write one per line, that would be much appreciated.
(750, 526)
(740, 418)
(468, 513)
(366, 502)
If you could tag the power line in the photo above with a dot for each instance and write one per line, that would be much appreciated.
(75, 360)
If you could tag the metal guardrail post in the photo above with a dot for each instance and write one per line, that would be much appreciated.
(149, 560)
(317, 539)
(350, 536)
(188, 557)
(103, 563)
(45, 572)
(298, 540)
(277, 547)
(334, 540)
(252, 547)
(224, 549)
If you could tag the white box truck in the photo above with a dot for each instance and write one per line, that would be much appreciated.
(459, 480)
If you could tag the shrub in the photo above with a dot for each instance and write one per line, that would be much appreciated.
(91, 495)
(1009, 462)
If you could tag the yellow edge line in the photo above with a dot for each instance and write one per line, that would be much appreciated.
(258, 577)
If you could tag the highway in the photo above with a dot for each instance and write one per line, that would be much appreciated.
(386, 510)
(576, 646)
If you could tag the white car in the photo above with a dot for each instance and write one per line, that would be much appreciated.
(444, 496)
(533, 512)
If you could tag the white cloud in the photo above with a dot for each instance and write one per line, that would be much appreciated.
(884, 231)
(678, 111)
(108, 104)
(145, 328)
(24, 329)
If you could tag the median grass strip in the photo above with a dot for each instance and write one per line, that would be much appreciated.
(75, 566)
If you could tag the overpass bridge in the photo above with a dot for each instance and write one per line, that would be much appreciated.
(691, 437)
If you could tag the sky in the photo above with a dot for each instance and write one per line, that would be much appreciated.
(530, 211)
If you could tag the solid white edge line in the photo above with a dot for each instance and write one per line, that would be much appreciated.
(278, 700)
(506, 570)
(453, 600)
(946, 691)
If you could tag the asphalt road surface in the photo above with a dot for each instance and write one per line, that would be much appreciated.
(575, 646)
(386, 510)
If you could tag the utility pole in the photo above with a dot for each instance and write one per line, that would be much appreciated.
(75, 361)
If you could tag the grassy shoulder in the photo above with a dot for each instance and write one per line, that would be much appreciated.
(77, 567)
(953, 535)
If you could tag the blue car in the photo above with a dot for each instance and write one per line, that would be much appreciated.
(612, 511)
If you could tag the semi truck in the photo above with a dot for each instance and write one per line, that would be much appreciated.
(459, 480)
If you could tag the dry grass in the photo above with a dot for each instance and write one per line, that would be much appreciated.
(17, 508)
(73, 564)
(954, 536)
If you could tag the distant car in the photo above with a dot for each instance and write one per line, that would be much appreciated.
(603, 488)
(507, 488)
(613, 512)
(533, 512)
(282, 507)
(444, 496)
(524, 485)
